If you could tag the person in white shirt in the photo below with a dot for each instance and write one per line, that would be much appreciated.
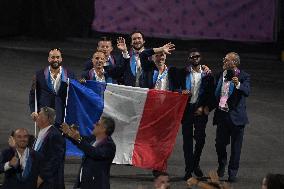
(19, 163)
(49, 87)
(197, 82)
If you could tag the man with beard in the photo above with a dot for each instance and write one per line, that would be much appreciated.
(233, 87)
(49, 87)
(97, 73)
(137, 63)
(19, 163)
(197, 82)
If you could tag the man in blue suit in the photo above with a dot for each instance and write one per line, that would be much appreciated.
(233, 86)
(97, 73)
(50, 87)
(136, 64)
(20, 163)
(51, 145)
(99, 151)
(111, 60)
(198, 83)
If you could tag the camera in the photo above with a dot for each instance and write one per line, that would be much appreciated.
(230, 74)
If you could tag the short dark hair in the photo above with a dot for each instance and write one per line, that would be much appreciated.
(137, 31)
(105, 38)
(193, 50)
(109, 124)
(275, 181)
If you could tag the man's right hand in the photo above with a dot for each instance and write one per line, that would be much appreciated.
(34, 116)
(186, 92)
(14, 162)
(121, 45)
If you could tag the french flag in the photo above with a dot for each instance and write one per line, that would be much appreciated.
(147, 121)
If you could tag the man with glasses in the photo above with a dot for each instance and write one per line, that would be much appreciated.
(49, 87)
(197, 82)
(232, 88)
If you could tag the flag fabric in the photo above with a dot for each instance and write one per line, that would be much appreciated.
(147, 121)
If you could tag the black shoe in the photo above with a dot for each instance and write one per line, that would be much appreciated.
(232, 179)
(187, 176)
(221, 171)
(198, 172)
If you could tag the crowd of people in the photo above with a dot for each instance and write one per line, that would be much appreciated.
(40, 164)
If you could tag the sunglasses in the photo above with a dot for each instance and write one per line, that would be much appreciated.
(194, 57)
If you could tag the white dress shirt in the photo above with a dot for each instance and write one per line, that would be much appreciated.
(41, 135)
(56, 82)
(195, 84)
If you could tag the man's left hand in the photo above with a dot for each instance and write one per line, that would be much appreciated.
(235, 80)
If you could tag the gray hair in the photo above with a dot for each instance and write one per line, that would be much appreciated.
(237, 60)
(50, 114)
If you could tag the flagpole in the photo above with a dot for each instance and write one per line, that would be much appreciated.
(36, 112)
(66, 102)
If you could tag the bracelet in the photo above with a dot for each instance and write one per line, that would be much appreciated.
(79, 140)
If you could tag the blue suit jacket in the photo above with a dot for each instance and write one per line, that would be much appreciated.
(46, 96)
(148, 79)
(123, 69)
(11, 180)
(88, 76)
(96, 163)
(206, 90)
(236, 102)
(52, 166)
(116, 78)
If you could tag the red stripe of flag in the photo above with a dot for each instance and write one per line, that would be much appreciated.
(158, 129)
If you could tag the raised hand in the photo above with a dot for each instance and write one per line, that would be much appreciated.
(168, 48)
(121, 45)
(11, 142)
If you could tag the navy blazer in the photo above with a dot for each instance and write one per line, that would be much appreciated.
(123, 68)
(52, 166)
(11, 180)
(96, 163)
(116, 78)
(236, 102)
(148, 79)
(206, 91)
(46, 96)
(87, 75)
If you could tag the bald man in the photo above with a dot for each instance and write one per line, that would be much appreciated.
(50, 87)
(19, 163)
(232, 89)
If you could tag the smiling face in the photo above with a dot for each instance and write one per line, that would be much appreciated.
(55, 58)
(21, 137)
(230, 61)
(137, 41)
(98, 60)
(160, 59)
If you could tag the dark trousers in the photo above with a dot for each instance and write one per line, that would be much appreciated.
(228, 133)
(192, 158)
